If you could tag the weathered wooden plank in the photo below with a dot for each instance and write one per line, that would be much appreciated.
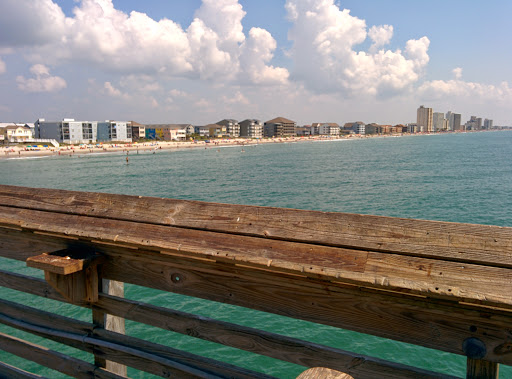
(11, 372)
(142, 355)
(110, 322)
(435, 278)
(414, 320)
(461, 242)
(53, 359)
(260, 342)
(285, 348)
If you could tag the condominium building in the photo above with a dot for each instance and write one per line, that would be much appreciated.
(488, 124)
(425, 119)
(456, 121)
(67, 131)
(232, 127)
(114, 131)
(279, 127)
(251, 128)
(438, 121)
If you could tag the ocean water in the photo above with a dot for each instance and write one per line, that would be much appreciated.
(464, 177)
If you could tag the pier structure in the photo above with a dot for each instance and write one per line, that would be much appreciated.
(445, 286)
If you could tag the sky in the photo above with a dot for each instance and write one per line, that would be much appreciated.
(201, 61)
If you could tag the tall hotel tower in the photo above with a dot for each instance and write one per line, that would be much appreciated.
(425, 119)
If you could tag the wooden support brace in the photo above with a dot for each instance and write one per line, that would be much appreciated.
(73, 273)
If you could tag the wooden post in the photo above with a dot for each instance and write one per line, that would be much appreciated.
(112, 323)
(477, 367)
(482, 369)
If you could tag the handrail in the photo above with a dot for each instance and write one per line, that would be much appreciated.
(440, 285)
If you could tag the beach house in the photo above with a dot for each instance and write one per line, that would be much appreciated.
(15, 133)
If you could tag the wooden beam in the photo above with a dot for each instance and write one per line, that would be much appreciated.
(421, 276)
(296, 351)
(416, 320)
(53, 359)
(434, 239)
(11, 372)
(421, 321)
(142, 355)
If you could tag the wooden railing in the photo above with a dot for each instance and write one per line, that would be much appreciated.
(445, 286)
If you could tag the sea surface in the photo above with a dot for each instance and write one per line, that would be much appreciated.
(464, 177)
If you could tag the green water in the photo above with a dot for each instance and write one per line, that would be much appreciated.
(456, 177)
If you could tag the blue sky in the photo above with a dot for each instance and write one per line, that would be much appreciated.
(199, 61)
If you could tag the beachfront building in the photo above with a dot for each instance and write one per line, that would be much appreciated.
(202, 131)
(232, 127)
(138, 130)
(304, 131)
(438, 121)
(456, 121)
(424, 119)
(15, 133)
(488, 124)
(166, 132)
(114, 131)
(357, 127)
(216, 130)
(329, 129)
(67, 131)
(190, 129)
(279, 127)
(251, 128)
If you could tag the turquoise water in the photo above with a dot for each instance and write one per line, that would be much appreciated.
(457, 177)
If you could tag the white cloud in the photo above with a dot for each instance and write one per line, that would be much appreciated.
(112, 91)
(210, 48)
(256, 52)
(236, 98)
(3, 67)
(457, 72)
(43, 81)
(30, 22)
(325, 56)
(380, 35)
(469, 91)
(40, 70)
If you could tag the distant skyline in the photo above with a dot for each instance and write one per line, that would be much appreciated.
(198, 62)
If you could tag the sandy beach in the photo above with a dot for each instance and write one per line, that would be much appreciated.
(64, 150)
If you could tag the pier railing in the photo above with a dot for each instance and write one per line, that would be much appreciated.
(445, 286)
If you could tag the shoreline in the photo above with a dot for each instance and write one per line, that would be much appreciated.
(13, 152)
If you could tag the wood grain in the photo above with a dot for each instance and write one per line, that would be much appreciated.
(53, 359)
(423, 276)
(260, 342)
(142, 355)
(452, 241)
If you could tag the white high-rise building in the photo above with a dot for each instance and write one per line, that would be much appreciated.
(449, 117)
